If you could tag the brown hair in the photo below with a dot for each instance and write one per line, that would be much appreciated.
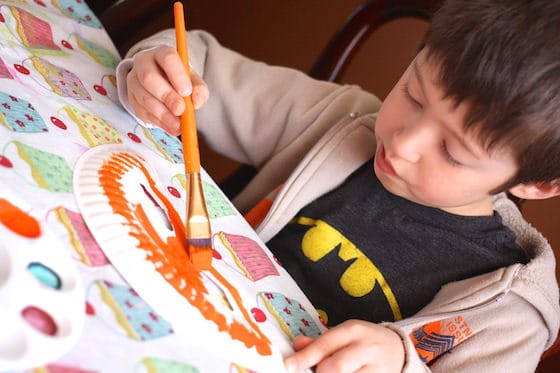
(503, 59)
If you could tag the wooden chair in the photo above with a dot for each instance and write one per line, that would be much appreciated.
(367, 18)
(122, 19)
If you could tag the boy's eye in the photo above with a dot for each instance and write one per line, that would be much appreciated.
(409, 97)
(448, 157)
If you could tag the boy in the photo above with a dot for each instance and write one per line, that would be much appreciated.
(408, 254)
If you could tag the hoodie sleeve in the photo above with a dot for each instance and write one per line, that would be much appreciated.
(503, 333)
(257, 110)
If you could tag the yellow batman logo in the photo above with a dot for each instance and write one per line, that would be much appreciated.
(361, 277)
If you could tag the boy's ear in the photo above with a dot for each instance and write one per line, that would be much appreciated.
(537, 190)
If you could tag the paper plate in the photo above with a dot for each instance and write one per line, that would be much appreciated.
(129, 213)
(42, 303)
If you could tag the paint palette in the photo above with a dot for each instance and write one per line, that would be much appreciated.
(42, 306)
(138, 227)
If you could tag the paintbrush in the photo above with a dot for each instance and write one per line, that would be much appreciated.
(198, 232)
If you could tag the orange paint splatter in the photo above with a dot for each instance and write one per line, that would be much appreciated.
(170, 257)
(18, 221)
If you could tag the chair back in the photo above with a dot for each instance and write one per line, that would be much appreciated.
(365, 19)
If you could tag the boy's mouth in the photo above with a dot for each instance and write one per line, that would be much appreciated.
(383, 163)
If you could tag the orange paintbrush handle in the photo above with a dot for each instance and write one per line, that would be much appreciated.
(188, 120)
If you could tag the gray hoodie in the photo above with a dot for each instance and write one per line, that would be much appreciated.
(310, 135)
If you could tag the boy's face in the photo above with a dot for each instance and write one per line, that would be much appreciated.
(424, 155)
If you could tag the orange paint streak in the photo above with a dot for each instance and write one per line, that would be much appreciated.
(18, 221)
(170, 258)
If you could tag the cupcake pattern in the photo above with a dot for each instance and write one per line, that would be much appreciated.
(58, 100)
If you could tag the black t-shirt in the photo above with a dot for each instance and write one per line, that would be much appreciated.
(360, 252)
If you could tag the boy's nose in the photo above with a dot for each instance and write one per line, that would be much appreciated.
(410, 142)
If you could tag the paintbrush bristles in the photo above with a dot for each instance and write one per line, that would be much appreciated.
(199, 234)
(198, 222)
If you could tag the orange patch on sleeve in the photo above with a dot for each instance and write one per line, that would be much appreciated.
(433, 339)
(257, 214)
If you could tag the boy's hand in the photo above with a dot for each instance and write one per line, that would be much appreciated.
(353, 346)
(156, 86)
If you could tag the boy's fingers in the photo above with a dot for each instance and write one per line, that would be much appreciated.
(303, 359)
(149, 77)
(346, 359)
(301, 342)
(200, 91)
(172, 127)
(151, 110)
(142, 113)
(170, 63)
(314, 352)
